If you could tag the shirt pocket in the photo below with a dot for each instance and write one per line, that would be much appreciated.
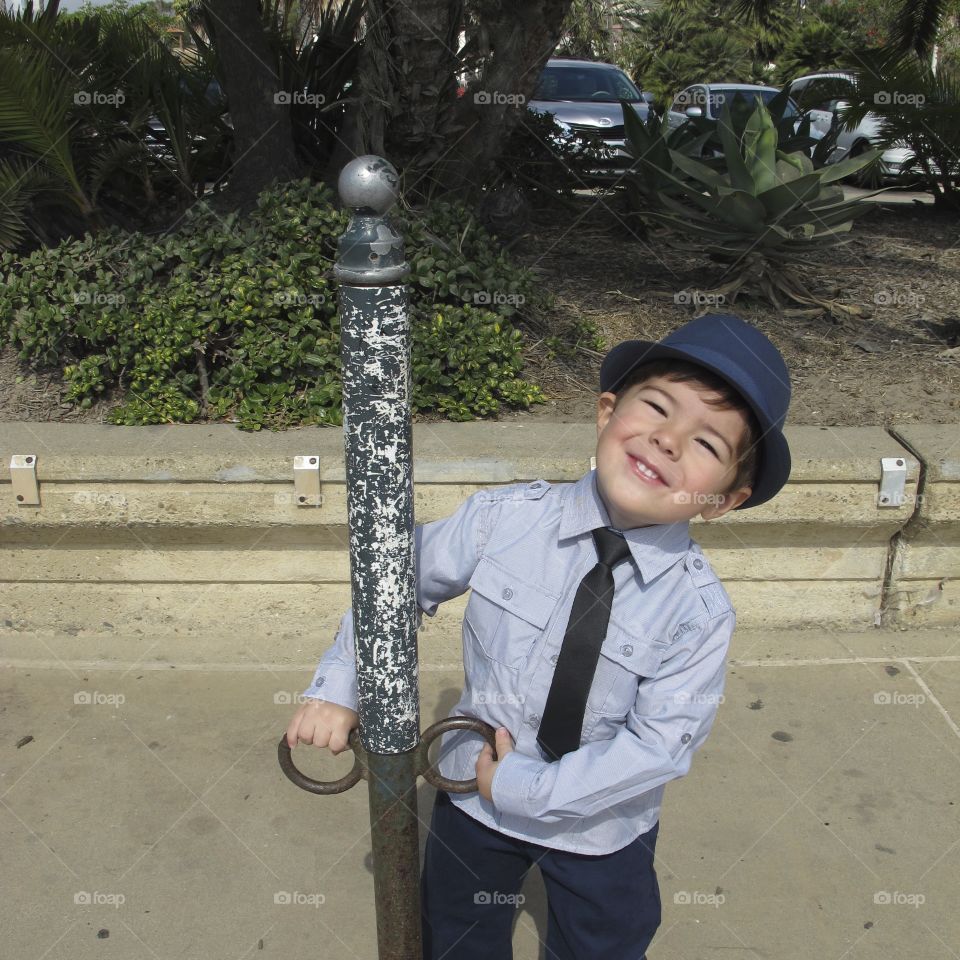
(626, 658)
(506, 614)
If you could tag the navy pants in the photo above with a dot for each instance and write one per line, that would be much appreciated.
(598, 906)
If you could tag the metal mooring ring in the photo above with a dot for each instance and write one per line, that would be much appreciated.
(422, 763)
(325, 787)
(425, 768)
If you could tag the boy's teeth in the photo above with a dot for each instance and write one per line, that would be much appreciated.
(647, 472)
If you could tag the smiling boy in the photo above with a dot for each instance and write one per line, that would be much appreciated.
(594, 640)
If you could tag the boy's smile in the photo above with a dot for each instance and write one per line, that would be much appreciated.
(664, 455)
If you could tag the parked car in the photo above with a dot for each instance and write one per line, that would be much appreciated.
(584, 97)
(707, 100)
(821, 94)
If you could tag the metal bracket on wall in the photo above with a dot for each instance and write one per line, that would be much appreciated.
(306, 481)
(893, 480)
(23, 479)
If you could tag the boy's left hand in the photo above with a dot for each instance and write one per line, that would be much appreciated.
(487, 766)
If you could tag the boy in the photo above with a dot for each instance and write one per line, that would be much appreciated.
(594, 640)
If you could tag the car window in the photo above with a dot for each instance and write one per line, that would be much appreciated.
(747, 98)
(822, 93)
(596, 82)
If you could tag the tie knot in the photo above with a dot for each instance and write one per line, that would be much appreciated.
(611, 548)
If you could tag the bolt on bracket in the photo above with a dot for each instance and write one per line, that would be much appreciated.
(306, 481)
(23, 479)
(893, 480)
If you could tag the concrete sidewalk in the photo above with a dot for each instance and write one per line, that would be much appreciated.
(152, 821)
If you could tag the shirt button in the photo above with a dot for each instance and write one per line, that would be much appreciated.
(507, 594)
(686, 738)
(698, 564)
(627, 650)
(555, 658)
(533, 720)
(320, 681)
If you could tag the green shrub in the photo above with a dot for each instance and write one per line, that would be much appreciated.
(236, 318)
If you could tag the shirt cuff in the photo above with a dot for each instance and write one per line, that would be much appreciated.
(334, 685)
(514, 781)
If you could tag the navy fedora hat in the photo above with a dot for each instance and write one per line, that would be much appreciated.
(747, 360)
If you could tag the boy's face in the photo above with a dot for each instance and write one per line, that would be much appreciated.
(689, 444)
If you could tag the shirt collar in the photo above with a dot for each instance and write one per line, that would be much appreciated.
(654, 549)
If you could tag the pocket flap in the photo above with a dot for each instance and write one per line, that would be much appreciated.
(633, 651)
(520, 597)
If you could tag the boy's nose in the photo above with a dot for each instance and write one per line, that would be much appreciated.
(664, 441)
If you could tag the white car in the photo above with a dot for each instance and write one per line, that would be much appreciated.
(818, 94)
(707, 100)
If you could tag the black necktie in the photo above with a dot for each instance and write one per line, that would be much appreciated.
(563, 714)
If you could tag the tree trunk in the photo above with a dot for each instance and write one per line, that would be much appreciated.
(406, 80)
(259, 109)
(407, 107)
(521, 39)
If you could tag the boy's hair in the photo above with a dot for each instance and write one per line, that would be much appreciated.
(747, 454)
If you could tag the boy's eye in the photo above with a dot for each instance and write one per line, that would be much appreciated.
(655, 407)
(710, 448)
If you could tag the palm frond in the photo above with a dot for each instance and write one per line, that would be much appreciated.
(36, 104)
(20, 183)
(917, 24)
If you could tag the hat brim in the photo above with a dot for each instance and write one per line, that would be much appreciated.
(774, 464)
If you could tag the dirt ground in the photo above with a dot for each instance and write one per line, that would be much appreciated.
(898, 363)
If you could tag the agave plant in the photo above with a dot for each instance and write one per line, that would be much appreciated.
(762, 213)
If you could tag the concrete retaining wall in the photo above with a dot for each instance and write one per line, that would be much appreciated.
(189, 537)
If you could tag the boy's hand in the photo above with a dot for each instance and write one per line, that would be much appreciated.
(487, 766)
(322, 724)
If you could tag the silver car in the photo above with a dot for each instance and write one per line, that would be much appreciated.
(584, 97)
(818, 94)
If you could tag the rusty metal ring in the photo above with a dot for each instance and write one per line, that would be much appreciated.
(325, 787)
(425, 768)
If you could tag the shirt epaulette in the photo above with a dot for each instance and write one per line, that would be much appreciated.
(712, 592)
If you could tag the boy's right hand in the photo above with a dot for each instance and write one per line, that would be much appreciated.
(323, 724)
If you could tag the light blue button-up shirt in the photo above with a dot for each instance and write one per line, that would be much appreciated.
(523, 549)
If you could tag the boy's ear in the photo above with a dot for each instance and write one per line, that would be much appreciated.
(605, 404)
(731, 500)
